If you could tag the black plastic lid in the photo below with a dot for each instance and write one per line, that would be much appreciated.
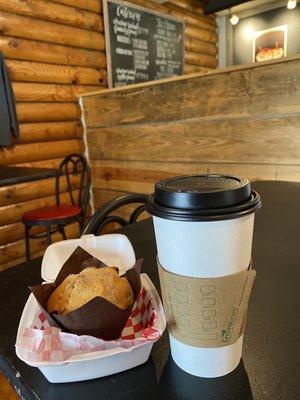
(203, 198)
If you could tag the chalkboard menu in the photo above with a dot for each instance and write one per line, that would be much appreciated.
(141, 45)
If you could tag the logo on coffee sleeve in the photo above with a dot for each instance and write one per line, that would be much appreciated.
(226, 333)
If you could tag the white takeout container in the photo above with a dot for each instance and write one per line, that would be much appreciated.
(113, 249)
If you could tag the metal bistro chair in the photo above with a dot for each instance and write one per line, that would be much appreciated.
(103, 217)
(59, 215)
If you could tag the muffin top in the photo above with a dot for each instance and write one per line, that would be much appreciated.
(78, 289)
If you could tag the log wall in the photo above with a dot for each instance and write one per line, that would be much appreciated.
(241, 120)
(54, 50)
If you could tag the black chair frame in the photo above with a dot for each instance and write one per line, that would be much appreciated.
(103, 217)
(72, 165)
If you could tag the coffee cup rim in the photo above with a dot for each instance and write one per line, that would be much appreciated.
(195, 215)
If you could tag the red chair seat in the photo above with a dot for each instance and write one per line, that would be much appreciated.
(61, 211)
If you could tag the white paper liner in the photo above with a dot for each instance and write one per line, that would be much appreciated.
(43, 343)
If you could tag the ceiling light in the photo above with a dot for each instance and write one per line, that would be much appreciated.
(291, 4)
(234, 19)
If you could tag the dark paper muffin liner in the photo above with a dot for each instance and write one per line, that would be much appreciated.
(98, 317)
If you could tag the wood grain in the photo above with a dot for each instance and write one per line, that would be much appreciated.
(13, 232)
(203, 60)
(140, 176)
(49, 131)
(92, 5)
(192, 5)
(55, 50)
(35, 151)
(43, 92)
(245, 91)
(53, 163)
(31, 28)
(235, 140)
(195, 19)
(13, 212)
(54, 12)
(232, 121)
(28, 71)
(40, 112)
(16, 250)
(14, 194)
(202, 34)
(103, 196)
(192, 69)
(33, 50)
(198, 46)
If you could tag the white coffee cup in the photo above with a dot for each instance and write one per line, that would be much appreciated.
(204, 242)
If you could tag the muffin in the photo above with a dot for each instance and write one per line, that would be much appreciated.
(78, 289)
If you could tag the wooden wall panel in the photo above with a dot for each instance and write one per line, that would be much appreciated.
(54, 49)
(28, 71)
(53, 12)
(15, 250)
(234, 141)
(246, 92)
(242, 120)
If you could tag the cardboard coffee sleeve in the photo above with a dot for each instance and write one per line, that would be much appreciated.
(206, 312)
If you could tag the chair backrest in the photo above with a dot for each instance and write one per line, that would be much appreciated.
(75, 165)
(103, 217)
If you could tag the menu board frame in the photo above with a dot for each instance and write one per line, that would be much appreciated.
(139, 8)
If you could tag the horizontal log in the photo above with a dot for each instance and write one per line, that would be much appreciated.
(42, 92)
(140, 176)
(37, 151)
(16, 250)
(30, 28)
(54, 12)
(205, 32)
(191, 18)
(103, 196)
(202, 60)
(244, 91)
(15, 262)
(255, 140)
(53, 163)
(21, 192)
(39, 112)
(200, 21)
(91, 5)
(13, 212)
(193, 31)
(191, 5)
(12, 232)
(193, 69)
(32, 50)
(26, 71)
(49, 131)
(201, 47)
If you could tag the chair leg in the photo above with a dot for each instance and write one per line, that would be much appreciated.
(48, 233)
(27, 245)
(62, 232)
(81, 226)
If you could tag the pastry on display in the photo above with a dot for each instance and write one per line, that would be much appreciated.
(266, 54)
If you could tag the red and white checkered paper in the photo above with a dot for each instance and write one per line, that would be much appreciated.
(43, 343)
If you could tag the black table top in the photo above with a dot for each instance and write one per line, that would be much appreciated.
(269, 366)
(13, 175)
